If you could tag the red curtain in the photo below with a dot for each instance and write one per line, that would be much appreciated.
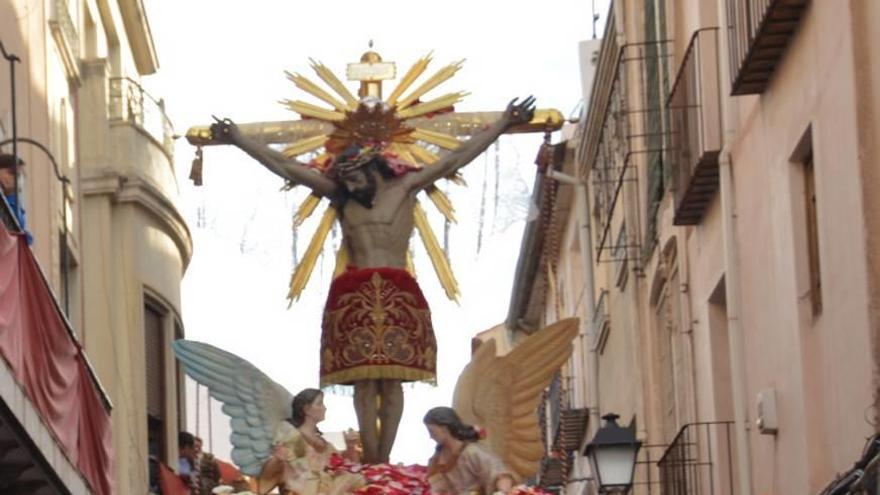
(170, 483)
(51, 366)
(228, 473)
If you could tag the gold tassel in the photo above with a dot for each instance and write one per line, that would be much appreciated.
(195, 172)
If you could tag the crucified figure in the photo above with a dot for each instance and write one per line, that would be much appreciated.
(376, 329)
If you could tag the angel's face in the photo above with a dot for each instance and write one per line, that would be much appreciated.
(438, 433)
(316, 410)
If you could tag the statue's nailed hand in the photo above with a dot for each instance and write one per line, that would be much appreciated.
(520, 113)
(225, 131)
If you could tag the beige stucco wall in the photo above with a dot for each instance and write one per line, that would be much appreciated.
(823, 369)
(128, 237)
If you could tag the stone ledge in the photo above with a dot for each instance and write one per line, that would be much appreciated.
(127, 189)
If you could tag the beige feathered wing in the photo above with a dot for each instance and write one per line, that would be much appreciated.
(502, 393)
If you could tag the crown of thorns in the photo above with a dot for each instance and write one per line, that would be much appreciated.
(354, 158)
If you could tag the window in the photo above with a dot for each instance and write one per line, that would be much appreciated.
(812, 230)
(154, 359)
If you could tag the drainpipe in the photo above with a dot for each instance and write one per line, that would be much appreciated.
(588, 322)
(731, 265)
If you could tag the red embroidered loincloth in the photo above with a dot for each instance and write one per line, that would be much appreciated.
(376, 325)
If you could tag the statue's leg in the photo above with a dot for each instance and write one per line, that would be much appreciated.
(365, 396)
(389, 414)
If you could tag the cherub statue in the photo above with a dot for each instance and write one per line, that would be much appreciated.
(501, 393)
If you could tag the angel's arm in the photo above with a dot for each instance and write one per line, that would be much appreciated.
(227, 132)
(493, 475)
(464, 154)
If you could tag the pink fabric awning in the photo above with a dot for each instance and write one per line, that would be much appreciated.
(50, 365)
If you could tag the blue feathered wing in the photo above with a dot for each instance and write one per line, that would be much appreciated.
(255, 404)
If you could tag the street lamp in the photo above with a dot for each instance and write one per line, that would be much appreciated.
(612, 455)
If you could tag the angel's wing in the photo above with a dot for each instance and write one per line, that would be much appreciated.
(502, 393)
(255, 403)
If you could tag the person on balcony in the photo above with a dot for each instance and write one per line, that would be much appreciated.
(8, 170)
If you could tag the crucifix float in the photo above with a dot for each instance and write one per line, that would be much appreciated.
(370, 157)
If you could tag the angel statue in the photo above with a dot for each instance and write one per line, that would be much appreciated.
(275, 436)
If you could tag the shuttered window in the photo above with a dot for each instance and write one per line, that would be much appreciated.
(154, 360)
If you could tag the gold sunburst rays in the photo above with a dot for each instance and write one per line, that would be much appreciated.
(303, 270)
(438, 78)
(441, 103)
(331, 80)
(314, 111)
(349, 117)
(313, 89)
(435, 253)
(411, 75)
(305, 145)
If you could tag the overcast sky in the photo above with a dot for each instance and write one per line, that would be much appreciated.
(227, 58)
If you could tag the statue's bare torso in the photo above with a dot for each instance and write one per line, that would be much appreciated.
(379, 236)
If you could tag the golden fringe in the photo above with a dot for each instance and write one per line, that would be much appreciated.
(377, 372)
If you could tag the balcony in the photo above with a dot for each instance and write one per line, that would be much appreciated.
(66, 36)
(130, 103)
(55, 431)
(623, 130)
(695, 128)
(760, 30)
(699, 461)
(567, 425)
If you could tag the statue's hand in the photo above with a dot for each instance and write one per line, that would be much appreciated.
(520, 113)
(352, 438)
(225, 131)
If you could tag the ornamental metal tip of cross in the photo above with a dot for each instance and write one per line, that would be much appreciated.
(370, 71)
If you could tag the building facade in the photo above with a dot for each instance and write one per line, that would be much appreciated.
(729, 195)
(106, 228)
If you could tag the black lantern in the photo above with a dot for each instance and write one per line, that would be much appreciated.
(612, 455)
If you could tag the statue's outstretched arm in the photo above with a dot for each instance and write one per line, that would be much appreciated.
(227, 132)
(516, 113)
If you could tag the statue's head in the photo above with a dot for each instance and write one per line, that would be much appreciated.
(308, 402)
(443, 421)
(356, 168)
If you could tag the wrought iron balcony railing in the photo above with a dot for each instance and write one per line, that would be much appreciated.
(129, 102)
(759, 32)
(699, 461)
(695, 128)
